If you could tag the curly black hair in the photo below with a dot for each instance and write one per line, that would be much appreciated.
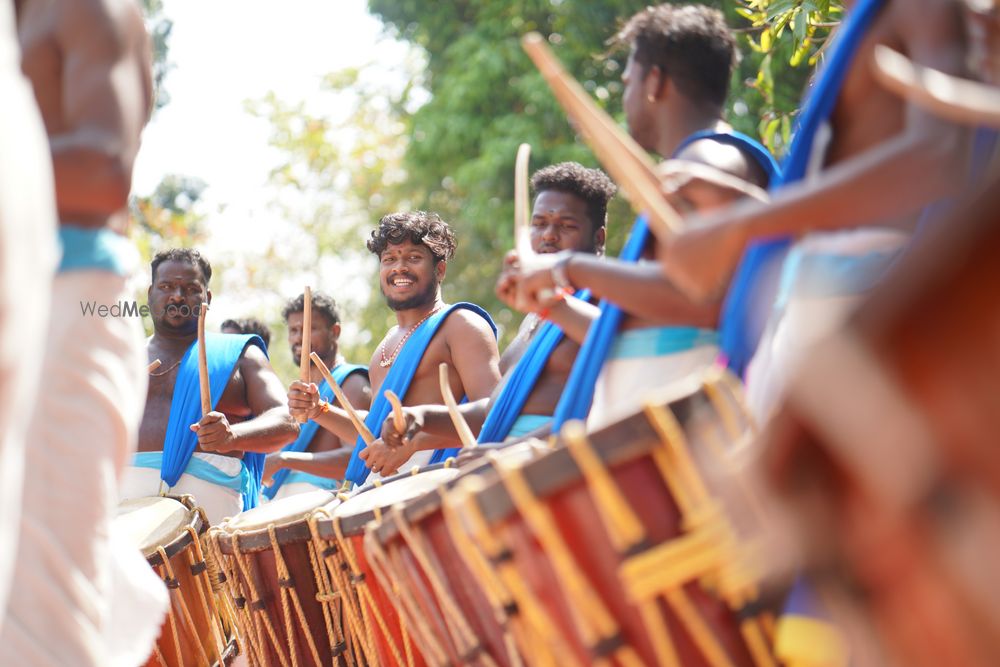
(591, 185)
(691, 44)
(321, 303)
(189, 255)
(416, 227)
(250, 325)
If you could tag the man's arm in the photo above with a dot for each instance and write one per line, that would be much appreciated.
(304, 402)
(331, 464)
(358, 391)
(474, 354)
(434, 421)
(106, 96)
(922, 164)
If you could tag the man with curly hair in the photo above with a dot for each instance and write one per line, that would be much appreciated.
(569, 214)
(413, 249)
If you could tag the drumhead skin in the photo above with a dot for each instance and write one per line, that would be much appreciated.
(279, 512)
(358, 510)
(152, 522)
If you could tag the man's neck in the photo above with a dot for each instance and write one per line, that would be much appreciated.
(168, 342)
(406, 319)
(680, 122)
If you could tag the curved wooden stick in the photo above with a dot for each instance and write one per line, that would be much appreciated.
(958, 100)
(153, 365)
(621, 156)
(206, 390)
(359, 423)
(398, 419)
(712, 175)
(461, 427)
(522, 238)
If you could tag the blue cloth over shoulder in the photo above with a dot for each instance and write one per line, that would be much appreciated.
(579, 392)
(308, 430)
(398, 380)
(509, 404)
(223, 352)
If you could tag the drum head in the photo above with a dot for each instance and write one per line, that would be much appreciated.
(152, 522)
(279, 512)
(398, 490)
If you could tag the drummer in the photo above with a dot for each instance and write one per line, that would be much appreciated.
(675, 86)
(569, 214)
(352, 378)
(218, 458)
(413, 249)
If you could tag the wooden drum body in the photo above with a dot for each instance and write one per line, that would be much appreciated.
(168, 531)
(613, 549)
(277, 584)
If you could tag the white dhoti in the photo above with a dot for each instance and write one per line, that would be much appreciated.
(27, 264)
(216, 482)
(824, 277)
(82, 432)
(302, 482)
(643, 360)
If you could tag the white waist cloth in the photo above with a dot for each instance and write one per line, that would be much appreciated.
(824, 277)
(78, 596)
(625, 379)
(217, 492)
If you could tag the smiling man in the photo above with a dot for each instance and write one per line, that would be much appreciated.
(569, 214)
(413, 249)
(219, 457)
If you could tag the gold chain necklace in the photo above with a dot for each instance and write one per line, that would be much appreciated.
(386, 362)
(172, 367)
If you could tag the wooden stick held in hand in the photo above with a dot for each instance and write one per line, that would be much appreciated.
(398, 419)
(626, 161)
(306, 347)
(359, 423)
(153, 365)
(206, 390)
(461, 427)
(522, 238)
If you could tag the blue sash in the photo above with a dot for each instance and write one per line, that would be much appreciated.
(223, 351)
(579, 392)
(398, 380)
(738, 333)
(308, 430)
(507, 408)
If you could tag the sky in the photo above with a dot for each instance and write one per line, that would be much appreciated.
(224, 52)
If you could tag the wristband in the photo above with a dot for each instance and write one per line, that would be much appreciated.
(559, 297)
(324, 407)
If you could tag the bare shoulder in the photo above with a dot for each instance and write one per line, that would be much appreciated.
(112, 27)
(725, 157)
(464, 322)
(927, 28)
(254, 360)
(358, 390)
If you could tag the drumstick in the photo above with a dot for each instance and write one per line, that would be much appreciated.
(398, 419)
(359, 423)
(206, 391)
(153, 365)
(461, 427)
(306, 347)
(620, 155)
(522, 240)
(959, 100)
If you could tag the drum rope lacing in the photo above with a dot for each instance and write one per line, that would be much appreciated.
(203, 582)
(175, 596)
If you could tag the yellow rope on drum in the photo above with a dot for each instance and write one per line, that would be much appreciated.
(205, 589)
(326, 602)
(190, 628)
(290, 595)
(259, 618)
(593, 620)
(171, 616)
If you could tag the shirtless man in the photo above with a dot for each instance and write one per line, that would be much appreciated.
(248, 325)
(248, 417)
(89, 64)
(569, 214)
(324, 341)
(885, 160)
(413, 250)
(676, 82)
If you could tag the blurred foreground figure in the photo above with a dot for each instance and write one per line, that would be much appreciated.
(78, 596)
(896, 509)
(27, 264)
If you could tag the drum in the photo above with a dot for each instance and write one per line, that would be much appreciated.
(469, 615)
(885, 456)
(274, 576)
(168, 531)
(612, 547)
(387, 638)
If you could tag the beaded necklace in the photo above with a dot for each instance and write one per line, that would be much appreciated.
(386, 362)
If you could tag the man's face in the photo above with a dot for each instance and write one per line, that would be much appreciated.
(323, 340)
(559, 221)
(638, 109)
(176, 295)
(408, 275)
